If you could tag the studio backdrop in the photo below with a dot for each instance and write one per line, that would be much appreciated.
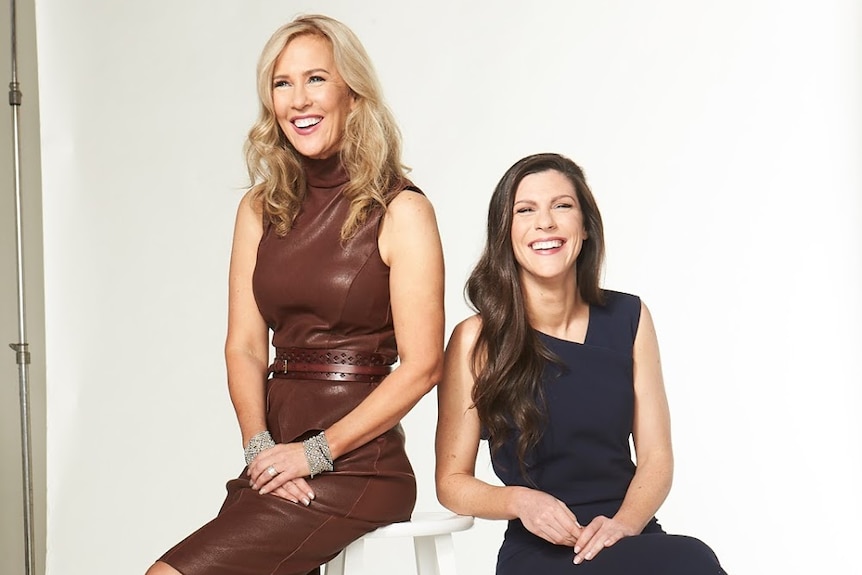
(721, 140)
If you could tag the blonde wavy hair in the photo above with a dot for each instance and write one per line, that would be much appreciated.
(370, 150)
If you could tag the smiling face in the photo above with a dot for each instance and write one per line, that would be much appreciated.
(310, 99)
(547, 226)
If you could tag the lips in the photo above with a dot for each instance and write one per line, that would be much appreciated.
(542, 245)
(306, 122)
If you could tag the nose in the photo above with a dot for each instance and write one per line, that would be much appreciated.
(545, 220)
(300, 97)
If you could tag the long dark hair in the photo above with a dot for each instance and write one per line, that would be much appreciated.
(508, 358)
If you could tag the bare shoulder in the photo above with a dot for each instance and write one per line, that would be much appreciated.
(644, 308)
(251, 204)
(409, 228)
(646, 349)
(249, 217)
(468, 329)
(465, 334)
(646, 321)
(408, 206)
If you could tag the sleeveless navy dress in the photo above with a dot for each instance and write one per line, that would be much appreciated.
(584, 459)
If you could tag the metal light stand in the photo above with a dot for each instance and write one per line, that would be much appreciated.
(22, 351)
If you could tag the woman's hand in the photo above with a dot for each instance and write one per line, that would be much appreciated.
(600, 533)
(547, 517)
(295, 491)
(280, 470)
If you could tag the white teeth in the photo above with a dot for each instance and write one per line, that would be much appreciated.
(306, 122)
(547, 245)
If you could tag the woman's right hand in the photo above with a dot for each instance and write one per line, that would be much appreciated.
(546, 516)
(296, 490)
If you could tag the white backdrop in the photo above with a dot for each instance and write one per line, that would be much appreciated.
(722, 141)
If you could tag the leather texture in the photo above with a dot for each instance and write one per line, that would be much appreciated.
(327, 303)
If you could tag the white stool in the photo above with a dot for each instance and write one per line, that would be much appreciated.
(432, 544)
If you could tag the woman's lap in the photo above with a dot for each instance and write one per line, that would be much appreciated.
(646, 554)
(264, 534)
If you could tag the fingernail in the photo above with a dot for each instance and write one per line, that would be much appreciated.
(577, 561)
(306, 502)
(310, 495)
(253, 486)
(577, 549)
(588, 556)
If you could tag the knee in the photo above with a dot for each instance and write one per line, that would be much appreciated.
(696, 552)
(161, 568)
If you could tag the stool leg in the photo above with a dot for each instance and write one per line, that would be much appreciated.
(354, 558)
(336, 565)
(351, 560)
(435, 555)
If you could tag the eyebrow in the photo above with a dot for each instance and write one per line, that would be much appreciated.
(554, 199)
(307, 73)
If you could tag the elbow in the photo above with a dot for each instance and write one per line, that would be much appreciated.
(666, 467)
(236, 347)
(669, 473)
(446, 497)
(434, 375)
(425, 375)
(659, 466)
(433, 370)
(457, 492)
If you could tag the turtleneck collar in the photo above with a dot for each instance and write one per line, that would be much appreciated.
(326, 173)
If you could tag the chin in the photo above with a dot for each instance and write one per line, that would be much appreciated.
(317, 153)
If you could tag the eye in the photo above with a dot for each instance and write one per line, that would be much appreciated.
(280, 84)
(316, 79)
(523, 210)
(563, 205)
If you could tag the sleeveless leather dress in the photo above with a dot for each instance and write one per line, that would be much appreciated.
(327, 303)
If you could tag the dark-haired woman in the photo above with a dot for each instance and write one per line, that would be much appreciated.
(558, 374)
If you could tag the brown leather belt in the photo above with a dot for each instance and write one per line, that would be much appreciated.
(329, 364)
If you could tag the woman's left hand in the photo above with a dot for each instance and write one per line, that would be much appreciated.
(600, 533)
(274, 467)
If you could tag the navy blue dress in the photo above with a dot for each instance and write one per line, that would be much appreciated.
(584, 459)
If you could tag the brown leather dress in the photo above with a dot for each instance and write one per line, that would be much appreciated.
(316, 294)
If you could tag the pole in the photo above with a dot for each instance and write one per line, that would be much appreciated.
(22, 351)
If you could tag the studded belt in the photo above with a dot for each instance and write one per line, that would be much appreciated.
(329, 364)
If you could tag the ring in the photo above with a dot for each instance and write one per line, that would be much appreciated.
(271, 470)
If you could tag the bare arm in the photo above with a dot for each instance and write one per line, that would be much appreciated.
(457, 442)
(246, 346)
(651, 433)
(410, 245)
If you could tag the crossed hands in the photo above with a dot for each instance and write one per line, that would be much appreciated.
(281, 470)
(549, 518)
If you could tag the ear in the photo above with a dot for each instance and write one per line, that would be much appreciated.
(354, 100)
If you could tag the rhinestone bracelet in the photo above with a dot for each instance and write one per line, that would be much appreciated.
(256, 444)
(317, 454)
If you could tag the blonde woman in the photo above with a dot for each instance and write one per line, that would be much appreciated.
(337, 255)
